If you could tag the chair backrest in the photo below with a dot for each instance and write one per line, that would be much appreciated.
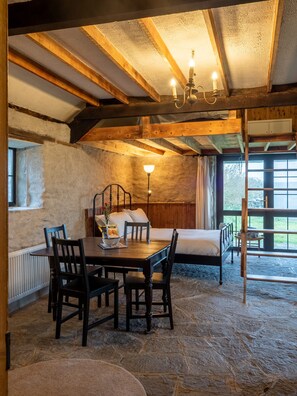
(58, 232)
(70, 262)
(170, 258)
(137, 231)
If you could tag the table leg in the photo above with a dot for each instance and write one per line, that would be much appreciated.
(148, 297)
(54, 285)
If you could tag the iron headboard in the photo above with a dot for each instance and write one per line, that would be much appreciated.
(115, 196)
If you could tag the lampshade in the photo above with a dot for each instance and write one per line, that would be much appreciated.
(148, 168)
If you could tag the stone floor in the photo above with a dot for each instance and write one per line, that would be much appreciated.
(219, 346)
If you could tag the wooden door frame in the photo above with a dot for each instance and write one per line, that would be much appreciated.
(3, 197)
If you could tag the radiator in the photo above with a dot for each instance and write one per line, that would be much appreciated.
(26, 274)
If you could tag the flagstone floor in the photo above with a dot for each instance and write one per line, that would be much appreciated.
(219, 346)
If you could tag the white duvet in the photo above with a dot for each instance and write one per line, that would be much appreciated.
(198, 242)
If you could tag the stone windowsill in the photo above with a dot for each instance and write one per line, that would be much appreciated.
(21, 208)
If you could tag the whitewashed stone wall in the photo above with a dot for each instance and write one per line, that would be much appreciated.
(71, 175)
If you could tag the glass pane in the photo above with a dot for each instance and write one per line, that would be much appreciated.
(10, 161)
(292, 182)
(236, 220)
(280, 182)
(292, 201)
(234, 174)
(280, 164)
(292, 164)
(280, 201)
(10, 190)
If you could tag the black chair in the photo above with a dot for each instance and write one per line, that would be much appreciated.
(74, 281)
(61, 233)
(161, 281)
(135, 231)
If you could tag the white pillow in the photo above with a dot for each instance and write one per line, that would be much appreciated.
(137, 215)
(119, 218)
(100, 220)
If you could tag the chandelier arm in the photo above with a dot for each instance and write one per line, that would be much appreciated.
(205, 98)
(184, 100)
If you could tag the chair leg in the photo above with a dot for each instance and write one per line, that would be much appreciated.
(49, 302)
(80, 307)
(168, 293)
(116, 307)
(128, 308)
(165, 300)
(99, 302)
(107, 293)
(59, 315)
(86, 305)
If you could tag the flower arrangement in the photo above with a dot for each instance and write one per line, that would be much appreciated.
(106, 210)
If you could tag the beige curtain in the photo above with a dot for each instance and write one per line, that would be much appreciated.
(206, 193)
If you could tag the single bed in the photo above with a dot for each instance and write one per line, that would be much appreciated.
(195, 246)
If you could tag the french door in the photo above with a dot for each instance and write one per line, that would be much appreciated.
(273, 187)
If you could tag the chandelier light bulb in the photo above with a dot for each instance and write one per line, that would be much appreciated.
(214, 78)
(173, 86)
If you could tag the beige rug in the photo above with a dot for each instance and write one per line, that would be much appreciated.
(73, 377)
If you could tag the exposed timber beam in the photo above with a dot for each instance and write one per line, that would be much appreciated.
(291, 146)
(42, 72)
(158, 42)
(266, 147)
(118, 147)
(212, 142)
(217, 47)
(276, 26)
(45, 15)
(145, 146)
(277, 138)
(169, 146)
(239, 99)
(155, 131)
(109, 50)
(65, 56)
(192, 143)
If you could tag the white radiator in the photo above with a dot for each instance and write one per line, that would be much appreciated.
(26, 274)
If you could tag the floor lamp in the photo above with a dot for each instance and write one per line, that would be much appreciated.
(148, 169)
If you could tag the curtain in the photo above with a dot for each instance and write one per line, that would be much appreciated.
(206, 193)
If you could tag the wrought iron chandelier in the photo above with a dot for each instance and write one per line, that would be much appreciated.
(190, 90)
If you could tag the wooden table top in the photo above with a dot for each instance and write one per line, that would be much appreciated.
(135, 250)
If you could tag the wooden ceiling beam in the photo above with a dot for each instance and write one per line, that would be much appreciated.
(118, 147)
(146, 147)
(218, 48)
(45, 15)
(155, 131)
(240, 143)
(65, 56)
(45, 74)
(271, 138)
(109, 50)
(276, 26)
(291, 146)
(266, 147)
(239, 99)
(162, 48)
(212, 142)
(192, 143)
(169, 146)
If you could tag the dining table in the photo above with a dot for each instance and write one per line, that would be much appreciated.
(136, 254)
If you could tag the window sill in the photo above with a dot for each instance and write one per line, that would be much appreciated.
(21, 208)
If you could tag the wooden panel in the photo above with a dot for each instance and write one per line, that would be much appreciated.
(273, 113)
(3, 196)
(161, 215)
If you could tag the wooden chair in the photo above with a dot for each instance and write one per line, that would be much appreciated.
(136, 231)
(61, 233)
(49, 232)
(74, 281)
(161, 281)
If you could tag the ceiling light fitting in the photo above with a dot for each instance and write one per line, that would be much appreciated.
(190, 90)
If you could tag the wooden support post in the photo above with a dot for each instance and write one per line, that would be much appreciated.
(3, 197)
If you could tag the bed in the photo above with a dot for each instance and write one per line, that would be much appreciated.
(201, 247)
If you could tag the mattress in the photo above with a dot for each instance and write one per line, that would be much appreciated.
(191, 241)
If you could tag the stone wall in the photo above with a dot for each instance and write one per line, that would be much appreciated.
(69, 176)
(173, 179)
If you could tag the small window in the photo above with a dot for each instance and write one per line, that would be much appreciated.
(11, 176)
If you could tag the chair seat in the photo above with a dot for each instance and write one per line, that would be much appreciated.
(136, 279)
(95, 284)
(94, 269)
